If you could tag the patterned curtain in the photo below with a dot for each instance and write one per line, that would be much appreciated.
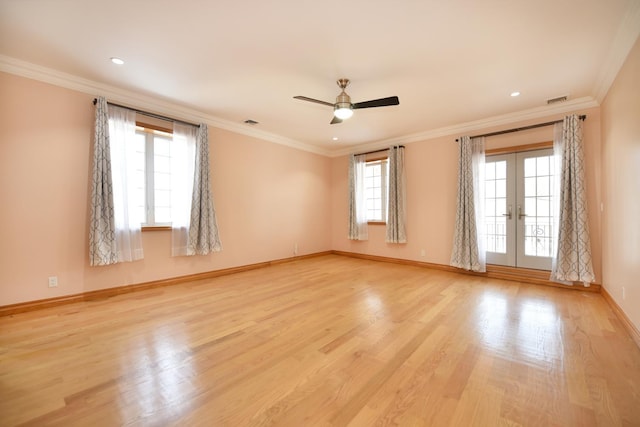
(102, 229)
(203, 226)
(396, 197)
(573, 260)
(358, 229)
(468, 240)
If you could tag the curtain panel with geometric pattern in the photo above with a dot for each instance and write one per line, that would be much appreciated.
(194, 225)
(102, 229)
(396, 205)
(203, 225)
(468, 241)
(572, 262)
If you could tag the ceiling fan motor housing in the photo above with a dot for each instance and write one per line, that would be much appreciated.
(343, 101)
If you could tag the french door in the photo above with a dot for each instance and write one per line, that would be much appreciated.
(518, 209)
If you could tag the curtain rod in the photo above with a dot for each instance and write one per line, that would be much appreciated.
(148, 114)
(378, 151)
(582, 117)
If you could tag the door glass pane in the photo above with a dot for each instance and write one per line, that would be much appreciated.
(542, 165)
(490, 189)
(542, 186)
(490, 208)
(530, 186)
(530, 167)
(490, 171)
(542, 207)
(530, 206)
(501, 170)
(496, 206)
(537, 196)
(501, 205)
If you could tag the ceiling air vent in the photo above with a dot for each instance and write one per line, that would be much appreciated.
(251, 122)
(556, 100)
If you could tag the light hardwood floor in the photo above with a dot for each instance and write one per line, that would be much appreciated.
(328, 341)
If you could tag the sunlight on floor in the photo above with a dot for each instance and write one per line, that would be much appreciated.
(529, 329)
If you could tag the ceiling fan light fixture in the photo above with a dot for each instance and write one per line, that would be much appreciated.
(343, 108)
(343, 112)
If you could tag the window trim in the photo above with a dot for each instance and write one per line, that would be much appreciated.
(156, 228)
(519, 148)
(148, 127)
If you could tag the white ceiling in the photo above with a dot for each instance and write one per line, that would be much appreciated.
(449, 62)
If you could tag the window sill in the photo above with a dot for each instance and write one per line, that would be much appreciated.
(376, 223)
(157, 228)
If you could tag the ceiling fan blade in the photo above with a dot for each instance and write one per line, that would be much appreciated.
(335, 120)
(304, 98)
(382, 102)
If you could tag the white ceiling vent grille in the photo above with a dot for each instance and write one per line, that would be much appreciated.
(556, 100)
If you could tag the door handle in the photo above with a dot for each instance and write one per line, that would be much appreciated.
(520, 214)
(508, 215)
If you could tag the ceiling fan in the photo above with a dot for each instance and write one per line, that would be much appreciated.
(343, 108)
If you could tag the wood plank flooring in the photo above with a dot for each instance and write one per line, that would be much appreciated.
(326, 341)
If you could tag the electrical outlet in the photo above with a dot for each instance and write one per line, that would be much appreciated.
(53, 281)
(423, 253)
(624, 293)
(295, 248)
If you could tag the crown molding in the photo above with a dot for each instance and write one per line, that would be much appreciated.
(151, 104)
(468, 127)
(143, 102)
(628, 33)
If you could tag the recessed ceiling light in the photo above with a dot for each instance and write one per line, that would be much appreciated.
(514, 94)
(117, 61)
(335, 138)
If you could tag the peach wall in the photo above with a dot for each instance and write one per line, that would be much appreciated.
(621, 187)
(431, 168)
(429, 202)
(268, 198)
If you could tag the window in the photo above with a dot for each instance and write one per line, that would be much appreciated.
(376, 187)
(153, 176)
